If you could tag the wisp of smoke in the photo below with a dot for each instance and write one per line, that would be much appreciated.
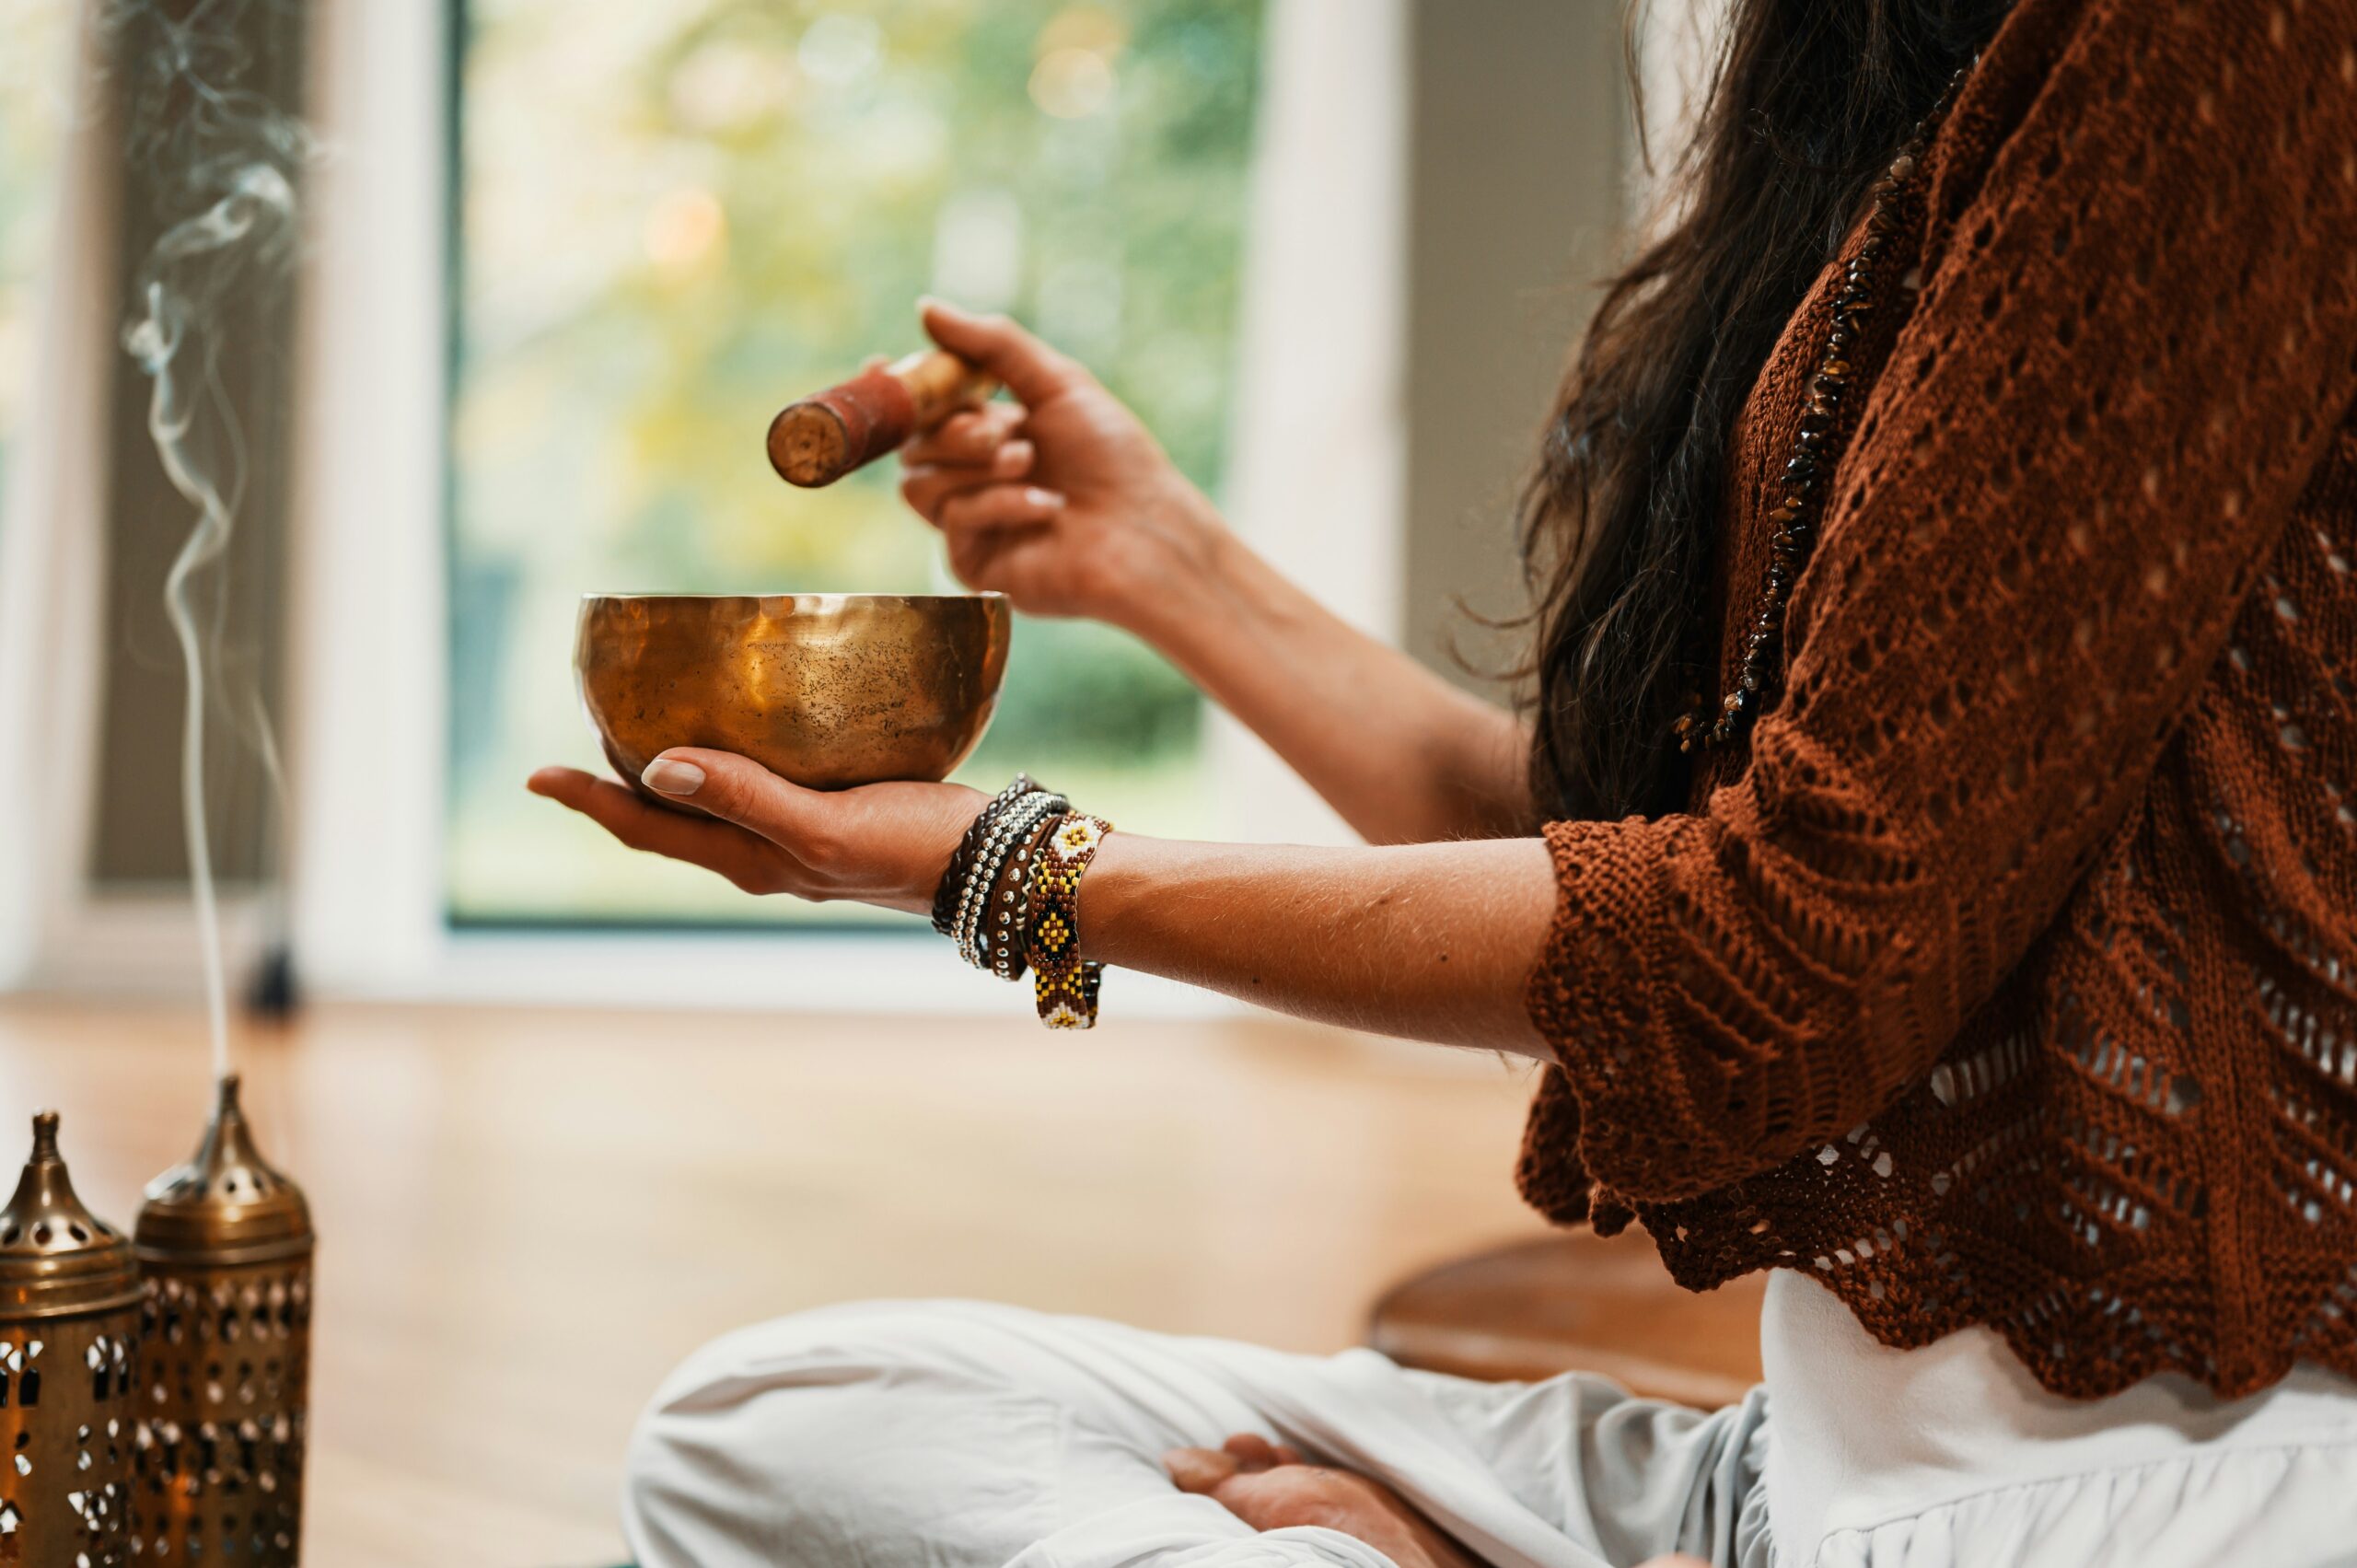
(224, 160)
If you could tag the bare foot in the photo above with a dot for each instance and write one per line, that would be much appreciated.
(1267, 1485)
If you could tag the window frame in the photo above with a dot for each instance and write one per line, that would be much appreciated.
(1315, 482)
(55, 931)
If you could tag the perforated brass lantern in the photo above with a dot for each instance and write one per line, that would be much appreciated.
(224, 1244)
(69, 1307)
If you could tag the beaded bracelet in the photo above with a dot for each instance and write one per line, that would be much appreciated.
(1010, 922)
(1064, 983)
(990, 890)
(961, 859)
(1014, 826)
(988, 862)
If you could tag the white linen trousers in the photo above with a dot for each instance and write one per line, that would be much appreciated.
(956, 1435)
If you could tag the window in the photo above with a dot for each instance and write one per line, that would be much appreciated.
(34, 106)
(673, 219)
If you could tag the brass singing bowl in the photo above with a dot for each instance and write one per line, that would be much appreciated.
(826, 689)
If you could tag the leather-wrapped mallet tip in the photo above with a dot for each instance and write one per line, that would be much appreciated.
(809, 444)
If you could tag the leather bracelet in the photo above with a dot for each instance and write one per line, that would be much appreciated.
(1064, 983)
(1007, 925)
(961, 859)
(984, 871)
(1014, 826)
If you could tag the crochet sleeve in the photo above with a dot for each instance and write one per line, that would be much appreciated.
(2136, 330)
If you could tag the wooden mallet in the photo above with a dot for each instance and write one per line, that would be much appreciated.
(821, 438)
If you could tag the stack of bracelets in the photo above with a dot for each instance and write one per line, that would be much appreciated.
(1010, 899)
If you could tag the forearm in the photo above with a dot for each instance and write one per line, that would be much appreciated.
(1068, 505)
(1402, 755)
(1430, 942)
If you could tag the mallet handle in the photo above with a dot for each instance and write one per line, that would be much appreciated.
(821, 438)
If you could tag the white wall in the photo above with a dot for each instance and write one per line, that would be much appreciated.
(1518, 179)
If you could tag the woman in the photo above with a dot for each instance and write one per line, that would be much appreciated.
(1946, 739)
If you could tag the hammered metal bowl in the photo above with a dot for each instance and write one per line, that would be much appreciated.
(826, 689)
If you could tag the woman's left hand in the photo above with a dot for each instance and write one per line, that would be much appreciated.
(886, 845)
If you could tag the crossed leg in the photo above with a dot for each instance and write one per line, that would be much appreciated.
(958, 1434)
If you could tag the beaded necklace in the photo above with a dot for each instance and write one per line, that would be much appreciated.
(1798, 508)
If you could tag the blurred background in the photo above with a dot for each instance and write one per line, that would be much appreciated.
(751, 198)
(565, 1110)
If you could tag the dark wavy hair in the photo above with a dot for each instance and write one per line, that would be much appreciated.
(1805, 104)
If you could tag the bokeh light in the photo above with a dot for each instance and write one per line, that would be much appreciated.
(685, 230)
(1073, 83)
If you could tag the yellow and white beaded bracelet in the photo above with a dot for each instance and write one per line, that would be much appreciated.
(1064, 983)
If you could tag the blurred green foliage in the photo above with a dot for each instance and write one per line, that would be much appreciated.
(678, 217)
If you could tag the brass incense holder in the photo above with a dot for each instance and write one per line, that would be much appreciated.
(69, 1312)
(826, 689)
(224, 1244)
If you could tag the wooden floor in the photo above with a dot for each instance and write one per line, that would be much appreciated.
(526, 1217)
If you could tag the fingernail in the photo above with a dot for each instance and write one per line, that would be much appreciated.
(1047, 500)
(666, 777)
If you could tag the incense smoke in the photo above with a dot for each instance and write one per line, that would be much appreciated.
(224, 160)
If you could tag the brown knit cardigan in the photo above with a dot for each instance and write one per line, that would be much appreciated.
(2010, 977)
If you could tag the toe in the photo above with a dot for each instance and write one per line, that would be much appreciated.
(1200, 1470)
(1288, 1495)
(1253, 1452)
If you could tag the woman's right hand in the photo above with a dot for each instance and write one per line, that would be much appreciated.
(1062, 501)
(1068, 506)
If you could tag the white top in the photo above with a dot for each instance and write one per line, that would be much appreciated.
(1866, 1435)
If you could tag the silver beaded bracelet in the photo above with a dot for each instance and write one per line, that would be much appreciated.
(1012, 919)
(959, 875)
(1013, 827)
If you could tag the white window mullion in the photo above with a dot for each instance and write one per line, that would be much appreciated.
(367, 698)
(52, 567)
(1318, 479)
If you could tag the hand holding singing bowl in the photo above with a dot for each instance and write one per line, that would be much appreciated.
(801, 719)
(829, 691)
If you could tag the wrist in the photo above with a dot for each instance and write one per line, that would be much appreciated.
(1108, 892)
(1198, 590)
(965, 903)
(1064, 977)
